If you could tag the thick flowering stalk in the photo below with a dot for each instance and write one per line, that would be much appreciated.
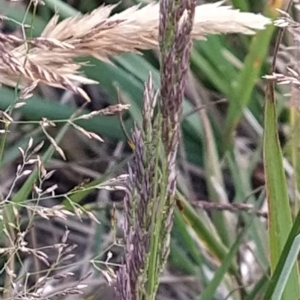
(151, 186)
(175, 27)
(138, 278)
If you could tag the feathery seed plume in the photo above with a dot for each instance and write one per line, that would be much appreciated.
(50, 58)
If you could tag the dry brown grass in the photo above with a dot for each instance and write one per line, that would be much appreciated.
(49, 59)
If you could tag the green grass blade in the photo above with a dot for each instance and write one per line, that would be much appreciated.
(180, 231)
(179, 259)
(204, 233)
(295, 231)
(280, 221)
(63, 9)
(242, 178)
(248, 77)
(286, 271)
(37, 108)
(211, 288)
(215, 183)
(200, 66)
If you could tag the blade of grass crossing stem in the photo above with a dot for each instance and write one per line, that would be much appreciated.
(37, 108)
(189, 248)
(280, 221)
(249, 74)
(181, 234)
(211, 289)
(212, 50)
(295, 231)
(200, 66)
(180, 259)
(205, 234)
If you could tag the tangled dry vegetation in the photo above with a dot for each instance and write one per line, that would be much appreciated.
(49, 59)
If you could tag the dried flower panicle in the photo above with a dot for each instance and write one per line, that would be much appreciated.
(175, 53)
(49, 59)
(175, 38)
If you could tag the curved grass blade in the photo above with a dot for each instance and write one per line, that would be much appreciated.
(249, 74)
(215, 184)
(205, 234)
(37, 108)
(295, 231)
(291, 259)
(280, 220)
(211, 288)
(63, 9)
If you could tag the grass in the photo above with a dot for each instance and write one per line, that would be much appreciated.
(234, 212)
